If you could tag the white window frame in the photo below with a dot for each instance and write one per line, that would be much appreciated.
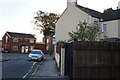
(15, 39)
(104, 28)
(15, 48)
(48, 40)
(6, 39)
(96, 24)
(31, 40)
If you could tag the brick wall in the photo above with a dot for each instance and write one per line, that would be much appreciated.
(40, 46)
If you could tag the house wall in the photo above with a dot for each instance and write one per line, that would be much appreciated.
(119, 28)
(6, 45)
(20, 43)
(69, 20)
(119, 5)
(112, 28)
(49, 44)
(40, 46)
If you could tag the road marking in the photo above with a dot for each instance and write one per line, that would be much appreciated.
(36, 69)
(29, 70)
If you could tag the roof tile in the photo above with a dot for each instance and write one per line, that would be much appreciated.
(111, 15)
(20, 35)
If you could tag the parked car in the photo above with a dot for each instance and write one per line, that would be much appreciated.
(36, 55)
(2, 50)
(112, 40)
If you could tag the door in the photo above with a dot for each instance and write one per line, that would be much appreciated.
(23, 49)
(26, 49)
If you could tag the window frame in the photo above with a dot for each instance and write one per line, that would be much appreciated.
(104, 27)
(15, 39)
(96, 24)
(15, 48)
(32, 40)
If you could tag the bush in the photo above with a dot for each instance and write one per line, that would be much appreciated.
(86, 32)
(60, 43)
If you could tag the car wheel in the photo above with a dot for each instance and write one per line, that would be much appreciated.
(42, 58)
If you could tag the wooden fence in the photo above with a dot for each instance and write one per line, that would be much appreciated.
(96, 60)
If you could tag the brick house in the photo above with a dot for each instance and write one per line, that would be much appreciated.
(18, 42)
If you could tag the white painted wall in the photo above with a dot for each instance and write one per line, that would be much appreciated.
(112, 28)
(62, 68)
(119, 5)
(69, 20)
(119, 28)
(72, 2)
(57, 57)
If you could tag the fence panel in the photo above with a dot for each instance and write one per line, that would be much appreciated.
(96, 60)
(69, 59)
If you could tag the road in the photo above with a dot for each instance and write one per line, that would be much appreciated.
(16, 65)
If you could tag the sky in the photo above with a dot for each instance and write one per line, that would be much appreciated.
(18, 15)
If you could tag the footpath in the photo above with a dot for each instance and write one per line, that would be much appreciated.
(48, 70)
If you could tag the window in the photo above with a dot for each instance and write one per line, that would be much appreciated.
(104, 28)
(96, 24)
(31, 40)
(15, 48)
(47, 40)
(31, 47)
(6, 39)
(15, 40)
(47, 48)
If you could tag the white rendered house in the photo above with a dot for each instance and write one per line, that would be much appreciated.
(109, 21)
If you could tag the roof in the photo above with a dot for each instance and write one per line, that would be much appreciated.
(111, 15)
(107, 16)
(20, 35)
(91, 12)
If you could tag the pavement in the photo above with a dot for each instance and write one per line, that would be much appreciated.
(48, 69)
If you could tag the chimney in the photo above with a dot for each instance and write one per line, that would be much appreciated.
(72, 2)
(119, 5)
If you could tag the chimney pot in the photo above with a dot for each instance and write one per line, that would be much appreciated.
(73, 2)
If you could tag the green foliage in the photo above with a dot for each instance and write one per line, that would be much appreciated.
(46, 22)
(60, 43)
(86, 32)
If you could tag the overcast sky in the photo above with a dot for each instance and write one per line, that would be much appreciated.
(17, 15)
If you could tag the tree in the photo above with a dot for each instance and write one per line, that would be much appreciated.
(86, 32)
(46, 23)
